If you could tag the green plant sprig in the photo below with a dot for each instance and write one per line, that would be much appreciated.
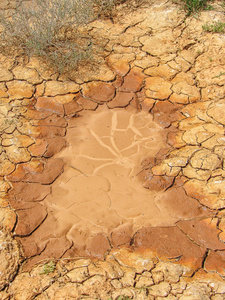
(48, 268)
(195, 6)
(215, 27)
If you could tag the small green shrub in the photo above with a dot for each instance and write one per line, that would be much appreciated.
(48, 29)
(217, 26)
(194, 6)
(48, 268)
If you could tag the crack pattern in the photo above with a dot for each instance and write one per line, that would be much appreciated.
(159, 61)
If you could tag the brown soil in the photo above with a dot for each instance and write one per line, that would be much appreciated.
(121, 165)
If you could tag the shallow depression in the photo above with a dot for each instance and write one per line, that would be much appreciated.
(99, 202)
(99, 191)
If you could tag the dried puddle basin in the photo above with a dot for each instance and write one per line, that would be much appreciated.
(99, 189)
(98, 201)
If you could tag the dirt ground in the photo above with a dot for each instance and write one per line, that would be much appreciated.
(112, 176)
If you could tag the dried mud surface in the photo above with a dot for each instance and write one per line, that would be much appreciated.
(112, 177)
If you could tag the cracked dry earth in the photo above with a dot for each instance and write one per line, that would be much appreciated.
(112, 178)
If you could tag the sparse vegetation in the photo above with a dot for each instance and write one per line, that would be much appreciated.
(219, 75)
(50, 30)
(215, 27)
(194, 6)
(106, 7)
(48, 268)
